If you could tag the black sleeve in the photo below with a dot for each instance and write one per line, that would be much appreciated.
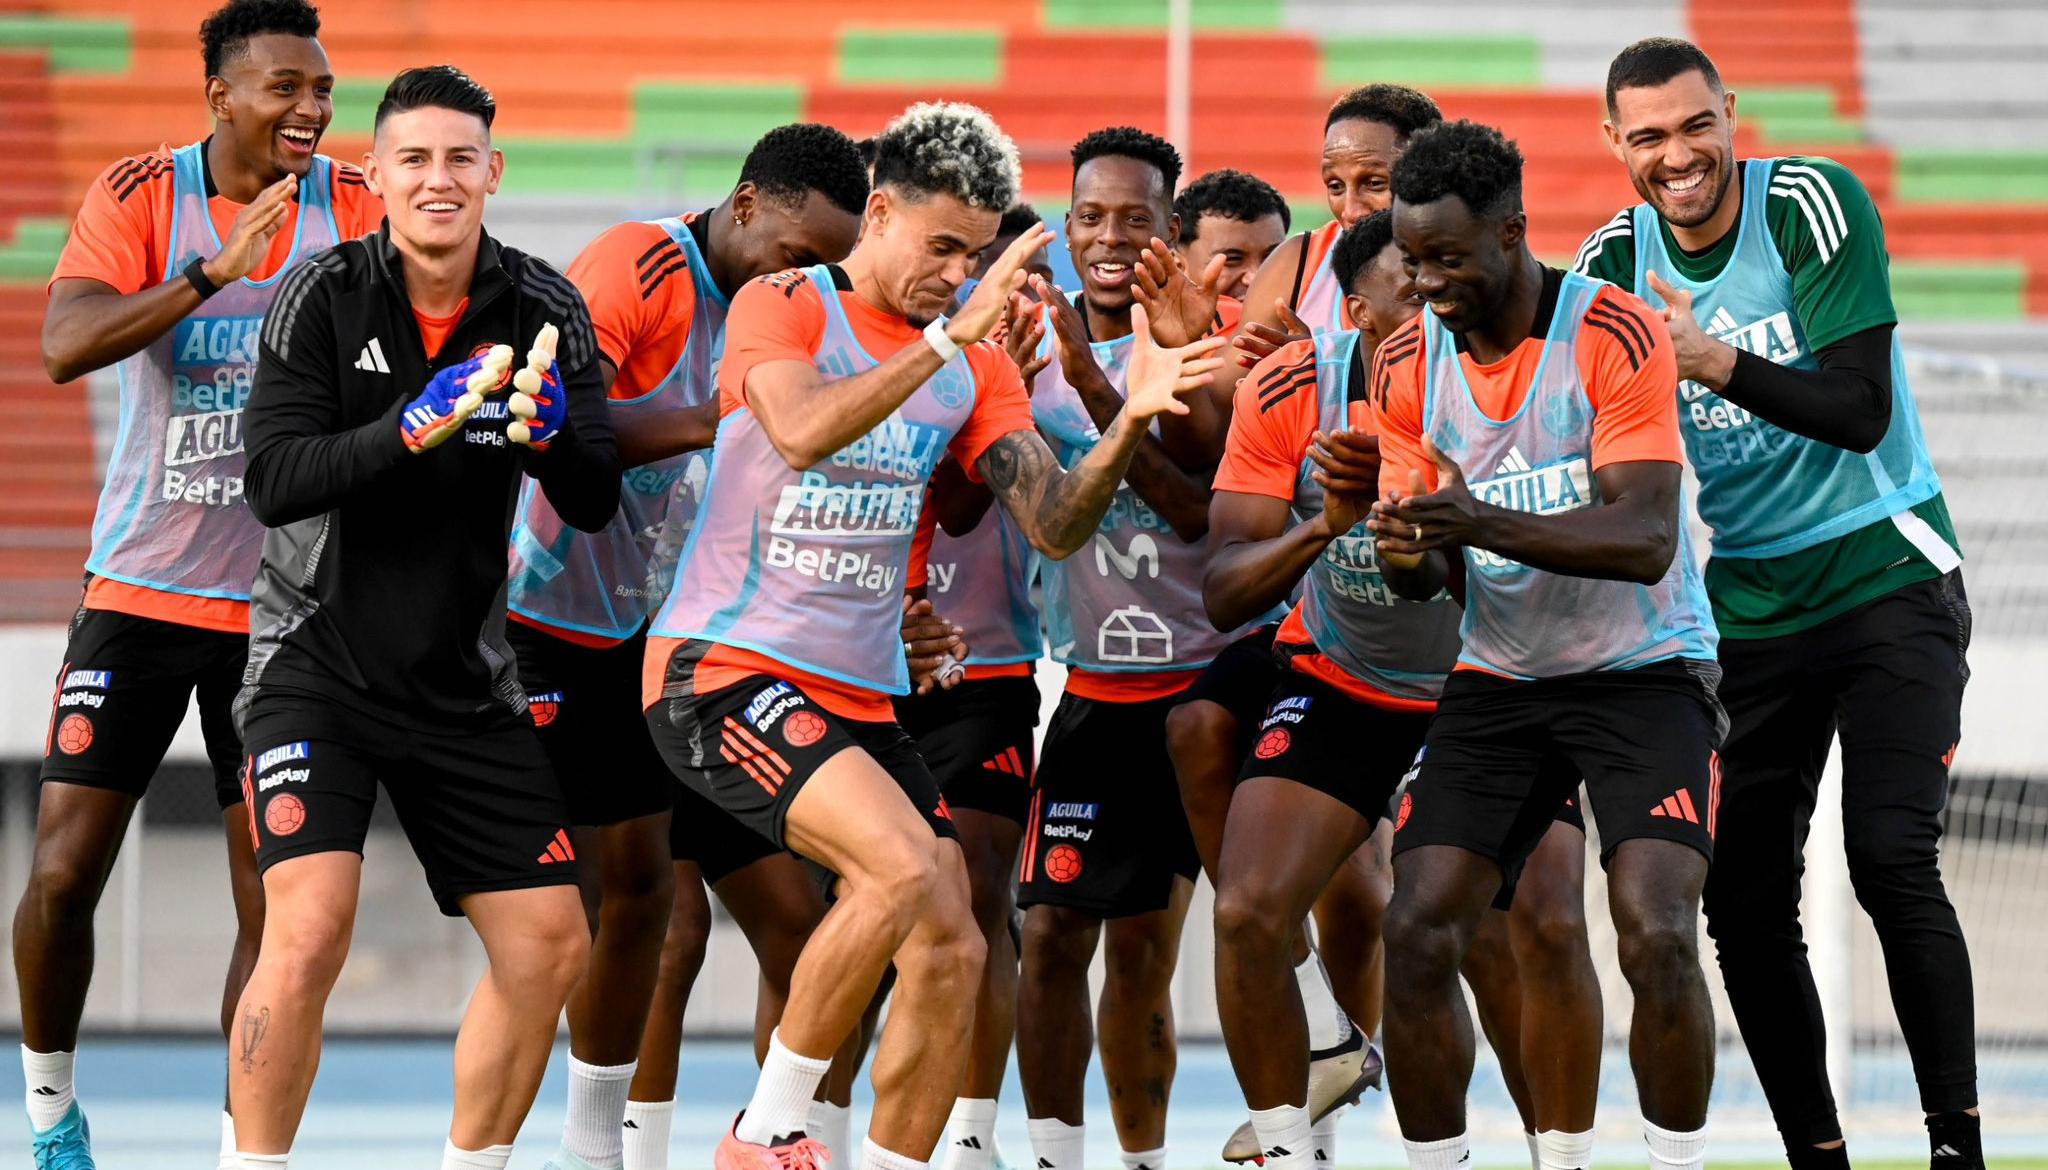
(1845, 403)
(301, 460)
(580, 469)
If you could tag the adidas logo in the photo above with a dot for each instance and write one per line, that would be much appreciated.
(1948, 1152)
(559, 849)
(1322, 1155)
(1515, 462)
(1045, 1164)
(1278, 1152)
(632, 1124)
(43, 1091)
(1678, 806)
(1722, 321)
(969, 1142)
(372, 358)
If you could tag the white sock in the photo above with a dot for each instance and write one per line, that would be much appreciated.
(454, 1157)
(1322, 1137)
(228, 1161)
(1056, 1143)
(646, 1130)
(597, 1111)
(875, 1157)
(781, 1104)
(1558, 1150)
(50, 1094)
(1143, 1159)
(970, 1135)
(272, 1161)
(1327, 1023)
(832, 1125)
(1452, 1153)
(1671, 1150)
(1285, 1136)
(1535, 1152)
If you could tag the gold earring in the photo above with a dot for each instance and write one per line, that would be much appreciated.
(737, 221)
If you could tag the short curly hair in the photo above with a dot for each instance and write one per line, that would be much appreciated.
(791, 161)
(1397, 107)
(1359, 246)
(1232, 195)
(1133, 143)
(1476, 163)
(225, 35)
(949, 148)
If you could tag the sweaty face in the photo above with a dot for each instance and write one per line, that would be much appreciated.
(1358, 168)
(279, 97)
(924, 251)
(433, 167)
(1678, 140)
(1459, 263)
(1243, 246)
(781, 234)
(1119, 205)
(1383, 299)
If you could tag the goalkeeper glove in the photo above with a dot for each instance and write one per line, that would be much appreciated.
(451, 397)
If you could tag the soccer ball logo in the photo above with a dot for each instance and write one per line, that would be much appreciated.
(285, 814)
(1273, 743)
(1063, 863)
(544, 708)
(74, 735)
(803, 729)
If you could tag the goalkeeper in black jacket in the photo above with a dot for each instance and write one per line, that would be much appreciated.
(387, 433)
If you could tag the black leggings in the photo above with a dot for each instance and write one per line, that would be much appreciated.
(1888, 677)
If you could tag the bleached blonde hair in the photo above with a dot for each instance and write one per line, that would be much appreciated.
(949, 148)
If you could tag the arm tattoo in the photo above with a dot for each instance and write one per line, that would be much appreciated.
(1057, 509)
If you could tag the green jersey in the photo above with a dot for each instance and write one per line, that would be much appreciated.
(1824, 230)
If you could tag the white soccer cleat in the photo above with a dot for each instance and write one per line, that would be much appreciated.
(1337, 1076)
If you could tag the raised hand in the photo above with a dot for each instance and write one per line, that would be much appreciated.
(1259, 339)
(537, 404)
(1158, 376)
(1182, 306)
(249, 239)
(1069, 331)
(1348, 470)
(991, 298)
(451, 397)
(1023, 329)
(1701, 358)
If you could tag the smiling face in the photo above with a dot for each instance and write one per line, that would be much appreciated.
(433, 166)
(1119, 205)
(1243, 246)
(920, 253)
(1358, 168)
(1678, 142)
(1461, 264)
(275, 99)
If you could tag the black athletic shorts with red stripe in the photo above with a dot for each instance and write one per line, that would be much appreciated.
(749, 748)
(1502, 755)
(977, 740)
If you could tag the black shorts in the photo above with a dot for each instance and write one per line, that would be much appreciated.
(1502, 756)
(123, 690)
(585, 703)
(977, 740)
(709, 837)
(1346, 748)
(749, 748)
(1241, 680)
(1106, 832)
(480, 806)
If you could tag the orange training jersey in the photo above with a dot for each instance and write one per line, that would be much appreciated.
(122, 238)
(642, 300)
(783, 318)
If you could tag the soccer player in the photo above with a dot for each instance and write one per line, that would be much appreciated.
(1835, 576)
(1234, 215)
(386, 462)
(1539, 402)
(841, 390)
(1364, 666)
(579, 605)
(172, 262)
(1107, 849)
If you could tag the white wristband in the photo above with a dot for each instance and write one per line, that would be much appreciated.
(944, 346)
